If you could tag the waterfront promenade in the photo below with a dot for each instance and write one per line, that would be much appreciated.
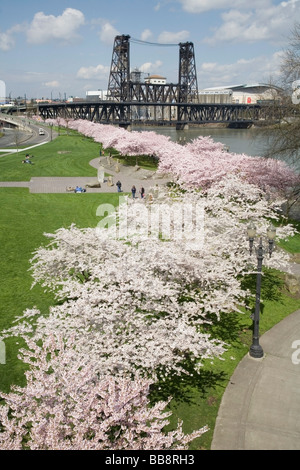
(260, 409)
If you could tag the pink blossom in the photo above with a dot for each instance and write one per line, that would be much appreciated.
(66, 406)
(197, 164)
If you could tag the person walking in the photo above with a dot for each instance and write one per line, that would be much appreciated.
(142, 192)
(119, 185)
(133, 191)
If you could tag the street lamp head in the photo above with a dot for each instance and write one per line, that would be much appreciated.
(251, 230)
(271, 232)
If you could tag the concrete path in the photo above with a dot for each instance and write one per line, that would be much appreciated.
(260, 409)
(128, 176)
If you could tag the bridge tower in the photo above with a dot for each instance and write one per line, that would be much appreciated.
(187, 81)
(118, 83)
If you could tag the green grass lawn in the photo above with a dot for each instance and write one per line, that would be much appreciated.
(49, 159)
(292, 245)
(144, 161)
(25, 217)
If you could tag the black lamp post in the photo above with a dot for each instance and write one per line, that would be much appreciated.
(256, 350)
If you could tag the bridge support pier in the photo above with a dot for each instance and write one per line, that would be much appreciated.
(182, 126)
(125, 125)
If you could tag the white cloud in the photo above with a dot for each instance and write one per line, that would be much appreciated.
(87, 73)
(257, 69)
(6, 41)
(44, 28)
(108, 32)
(31, 77)
(200, 6)
(270, 23)
(53, 84)
(167, 37)
(151, 67)
(146, 34)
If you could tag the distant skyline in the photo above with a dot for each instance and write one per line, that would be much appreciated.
(64, 48)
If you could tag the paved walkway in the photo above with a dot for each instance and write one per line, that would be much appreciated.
(260, 409)
(128, 175)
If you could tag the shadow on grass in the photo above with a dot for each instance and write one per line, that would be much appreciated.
(271, 288)
(182, 388)
(234, 329)
(229, 327)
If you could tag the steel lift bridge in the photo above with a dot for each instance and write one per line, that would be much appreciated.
(152, 101)
(130, 101)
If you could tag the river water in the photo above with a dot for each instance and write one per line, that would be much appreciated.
(253, 141)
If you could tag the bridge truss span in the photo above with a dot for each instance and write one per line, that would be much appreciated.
(124, 113)
(104, 112)
(218, 113)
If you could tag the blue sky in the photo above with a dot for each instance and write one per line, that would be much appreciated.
(57, 48)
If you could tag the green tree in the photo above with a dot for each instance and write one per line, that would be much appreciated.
(285, 142)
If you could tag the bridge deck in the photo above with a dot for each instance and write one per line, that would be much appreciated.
(124, 113)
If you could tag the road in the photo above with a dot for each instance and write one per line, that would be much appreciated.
(13, 139)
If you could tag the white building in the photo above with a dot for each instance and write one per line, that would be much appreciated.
(217, 96)
(156, 80)
(251, 93)
(98, 95)
(2, 92)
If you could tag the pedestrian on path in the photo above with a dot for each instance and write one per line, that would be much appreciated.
(119, 185)
(142, 192)
(133, 191)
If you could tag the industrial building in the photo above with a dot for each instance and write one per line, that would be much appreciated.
(2, 92)
(96, 95)
(248, 93)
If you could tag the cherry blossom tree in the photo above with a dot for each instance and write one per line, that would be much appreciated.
(136, 301)
(197, 164)
(66, 406)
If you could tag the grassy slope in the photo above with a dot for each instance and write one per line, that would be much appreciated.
(24, 219)
(48, 162)
(293, 244)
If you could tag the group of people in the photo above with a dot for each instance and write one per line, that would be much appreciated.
(133, 190)
(79, 189)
